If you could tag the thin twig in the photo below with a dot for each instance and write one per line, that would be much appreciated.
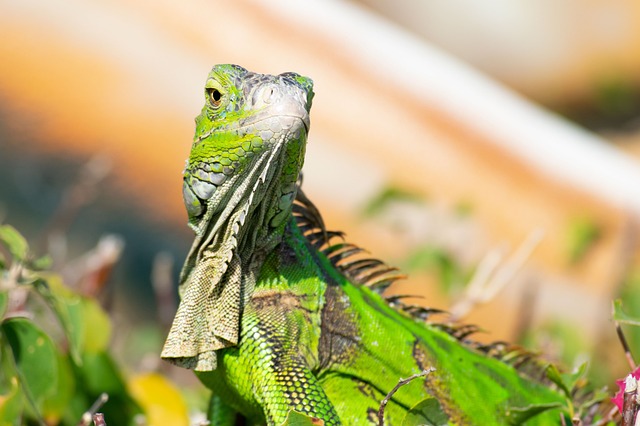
(609, 417)
(478, 283)
(625, 345)
(401, 383)
(87, 417)
(491, 279)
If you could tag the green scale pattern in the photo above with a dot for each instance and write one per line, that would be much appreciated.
(281, 363)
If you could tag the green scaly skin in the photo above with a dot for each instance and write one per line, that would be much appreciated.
(269, 322)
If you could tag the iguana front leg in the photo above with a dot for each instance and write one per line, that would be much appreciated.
(270, 368)
(292, 386)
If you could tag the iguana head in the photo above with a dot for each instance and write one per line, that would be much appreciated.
(246, 116)
(239, 186)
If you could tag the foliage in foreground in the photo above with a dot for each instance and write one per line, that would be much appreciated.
(55, 364)
(44, 379)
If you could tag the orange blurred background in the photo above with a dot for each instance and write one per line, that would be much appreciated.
(436, 139)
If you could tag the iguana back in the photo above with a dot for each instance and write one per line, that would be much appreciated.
(279, 314)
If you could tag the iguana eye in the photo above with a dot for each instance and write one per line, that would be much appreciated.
(215, 97)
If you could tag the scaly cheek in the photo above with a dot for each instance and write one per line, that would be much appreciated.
(191, 201)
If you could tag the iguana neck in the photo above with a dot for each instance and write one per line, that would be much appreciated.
(255, 206)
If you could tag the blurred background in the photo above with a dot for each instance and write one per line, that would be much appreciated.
(490, 150)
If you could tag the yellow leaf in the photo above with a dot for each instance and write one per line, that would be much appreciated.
(160, 400)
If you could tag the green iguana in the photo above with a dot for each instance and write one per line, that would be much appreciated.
(277, 314)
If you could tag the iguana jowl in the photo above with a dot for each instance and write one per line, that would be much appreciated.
(277, 316)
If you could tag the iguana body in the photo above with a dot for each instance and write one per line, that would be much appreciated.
(276, 316)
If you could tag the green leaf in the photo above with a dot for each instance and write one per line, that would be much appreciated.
(4, 302)
(517, 416)
(35, 359)
(14, 241)
(11, 404)
(430, 258)
(97, 330)
(298, 419)
(570, 380)
(582, 235)
(42, 263)
(554, 375)
(57, 404)
(388, 196)
(426, 412)
(620, 316)
(101, 374)
(86, 325)
(11, 396)
(68, 308)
